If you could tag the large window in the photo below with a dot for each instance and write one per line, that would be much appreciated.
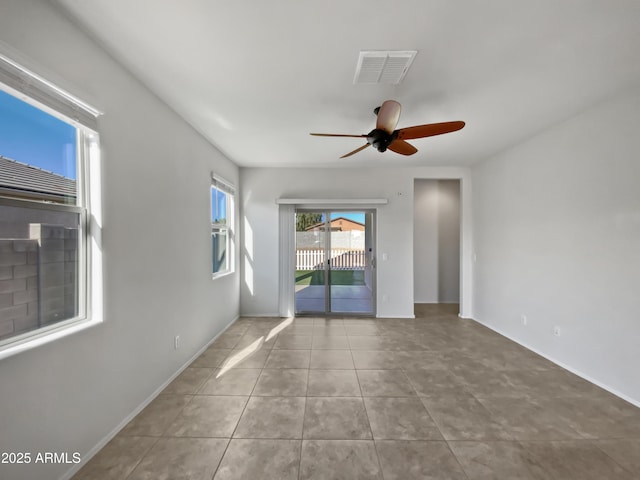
(222, 198)
(46, 139)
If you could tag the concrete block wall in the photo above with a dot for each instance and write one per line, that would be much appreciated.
(18, 286)
(58, 272)
(38, 279)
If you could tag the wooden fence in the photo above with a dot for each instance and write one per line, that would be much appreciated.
(339, 258)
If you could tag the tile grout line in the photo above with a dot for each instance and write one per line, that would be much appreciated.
(472, 393)
(595, 442)
(304, 415)
(462, 469)
(373, 440)
(215, 472)
(142, 457)
(214, 369)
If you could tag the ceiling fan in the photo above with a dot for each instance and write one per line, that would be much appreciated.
(385, 136)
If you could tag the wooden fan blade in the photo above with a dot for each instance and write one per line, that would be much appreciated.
(429, 130)
(337, 135)
(355, 151)
(388, 116)
(402, 147)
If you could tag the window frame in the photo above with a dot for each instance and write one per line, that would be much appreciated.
(218, 184)
(43, 95)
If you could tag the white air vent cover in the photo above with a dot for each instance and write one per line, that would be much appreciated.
(380, 66)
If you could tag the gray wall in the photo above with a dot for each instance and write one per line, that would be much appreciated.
(71, 394)
(557, 236)
(449, 241)
(436, 244)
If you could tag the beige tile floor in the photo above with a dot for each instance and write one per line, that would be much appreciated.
(437, 397)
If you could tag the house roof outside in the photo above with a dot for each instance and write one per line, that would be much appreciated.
(341, 223)
(17, 178)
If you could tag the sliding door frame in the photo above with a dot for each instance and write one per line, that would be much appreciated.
(370, 257)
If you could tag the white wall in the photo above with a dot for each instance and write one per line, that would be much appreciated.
(557, 236)
(449, 241)
(425, 241)
(69, 395)
(436, 248)
(394, 229)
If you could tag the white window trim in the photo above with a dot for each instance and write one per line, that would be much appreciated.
(45, 96)
(227, 187)
(31, 87)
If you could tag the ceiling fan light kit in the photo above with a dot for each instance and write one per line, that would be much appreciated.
(385, 136)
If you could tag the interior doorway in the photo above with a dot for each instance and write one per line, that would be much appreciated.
(335, 262)
(437, 244)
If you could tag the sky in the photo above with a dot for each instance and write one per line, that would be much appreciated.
(34, 137)
(218, 206)
(356, 216)
(31, 136)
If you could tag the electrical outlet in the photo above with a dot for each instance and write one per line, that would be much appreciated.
(176, 342)
(524, 319)
(384, 297)
(556, 331)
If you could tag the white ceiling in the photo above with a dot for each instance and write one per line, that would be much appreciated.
(255, 77)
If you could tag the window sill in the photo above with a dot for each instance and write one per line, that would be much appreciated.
(42, 338)
(215, 276)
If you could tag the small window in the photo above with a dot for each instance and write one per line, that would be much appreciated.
(44, 209)
(222, 208)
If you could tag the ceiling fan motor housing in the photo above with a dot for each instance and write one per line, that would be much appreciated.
(380, 139)
(386, 136)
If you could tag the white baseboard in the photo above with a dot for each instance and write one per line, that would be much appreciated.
(260, 315)
(563, 365)
(101, 444)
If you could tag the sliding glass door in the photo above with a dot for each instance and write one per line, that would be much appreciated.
(311, 276)
(334, 262)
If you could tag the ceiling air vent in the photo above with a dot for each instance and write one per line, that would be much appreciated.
(380, 66)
